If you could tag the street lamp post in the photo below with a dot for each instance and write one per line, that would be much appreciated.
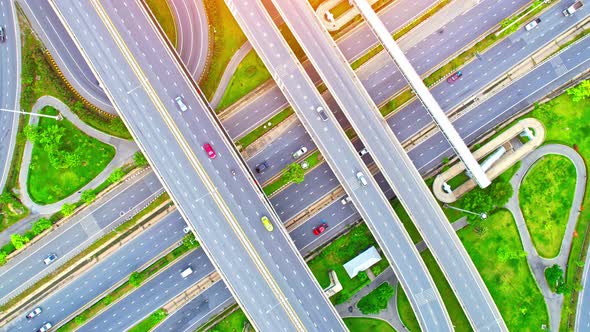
(57, 117)
(482, 215)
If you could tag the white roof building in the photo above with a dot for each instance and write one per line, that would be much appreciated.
(363, 261)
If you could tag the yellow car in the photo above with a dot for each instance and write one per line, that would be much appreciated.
(267, 224)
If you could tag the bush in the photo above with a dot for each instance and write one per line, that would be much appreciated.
(376, 300)
(116, 175)
(139, 159)
(580, 91)
(40, 225)
(3, 257)
(18, 241)
(67, 209)
(80, 319)
(135, 279)
(88, 196)
(294, 173)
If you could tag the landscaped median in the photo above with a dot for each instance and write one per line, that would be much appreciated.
(294, 173)
(189, 244)
(85, 259)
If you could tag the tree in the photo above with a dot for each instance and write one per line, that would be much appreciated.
(135, 279)
(545, 112)
(554, 276)
(501, 192)
(67, 209)
(294, 173)
(41, 225)
(18, 241)
(139, 159)
(376, 300)
(116, 175)
(580, 92)
(88, 196)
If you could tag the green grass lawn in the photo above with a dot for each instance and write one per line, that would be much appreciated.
(569, 123)
(232, 323)
(367, 325)
(47, 184)
(250, 73)
(451, 303)
(227, 39)
(164, 16)
(546, 196)
(510, 283)
(339, 252)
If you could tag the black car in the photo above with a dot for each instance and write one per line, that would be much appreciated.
(2, 34)
(261, 167)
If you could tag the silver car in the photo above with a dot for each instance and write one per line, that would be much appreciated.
(299, 152)
(362, 179)
(180, 103)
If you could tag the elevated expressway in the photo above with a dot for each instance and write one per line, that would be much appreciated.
(345, 162)
(142, 76)
(422, 93)
(394, 163)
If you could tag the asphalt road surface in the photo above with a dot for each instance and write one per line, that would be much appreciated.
(192, 31)
(100, 278)
(395, 165)
(342, 157)
(146, 76)
(101, 217)
(9, 86)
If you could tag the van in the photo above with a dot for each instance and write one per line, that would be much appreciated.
(186, 272)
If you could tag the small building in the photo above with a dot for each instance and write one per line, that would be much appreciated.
(363, 261)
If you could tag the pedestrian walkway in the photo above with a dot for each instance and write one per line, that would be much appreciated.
(539, 264)
(124, 153)
(229, 72)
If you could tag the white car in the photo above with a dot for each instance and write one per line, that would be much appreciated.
(345, 200)
(299, 152)
(533, 24)
(34, 313)
(362, 179)
(186, 230)
(180, 103)
(50, 259)
(322, 112)
(363, 152)
(46, 326)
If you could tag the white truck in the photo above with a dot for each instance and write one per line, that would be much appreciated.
(573, 8)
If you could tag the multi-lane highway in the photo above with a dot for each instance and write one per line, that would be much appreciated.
(101, 217)
(9, 86)
(106, 273)
(142, 79)
(345, 162)
(394, 164)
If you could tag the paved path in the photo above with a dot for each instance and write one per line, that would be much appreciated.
(228, 73)
(124, 152)
(539, 264)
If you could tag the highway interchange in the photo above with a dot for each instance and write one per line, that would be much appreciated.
(552, 71)
(205, 196)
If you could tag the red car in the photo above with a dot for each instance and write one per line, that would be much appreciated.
(321, 228)
(454, 77)
(210, 152)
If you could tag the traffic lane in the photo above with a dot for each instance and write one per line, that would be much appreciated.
(106, 273)
(479, 73)
(353, 44)
(9, 87)
(65, 53)
(66, 241)
(171, 172)
(381, 78)
(396, 166)
(192, 31)
(199, 310)
(343, 158)
(151, 295)
(509, 101)
(267, 243)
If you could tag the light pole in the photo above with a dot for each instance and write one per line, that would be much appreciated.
(57, 117)
(482, 215)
